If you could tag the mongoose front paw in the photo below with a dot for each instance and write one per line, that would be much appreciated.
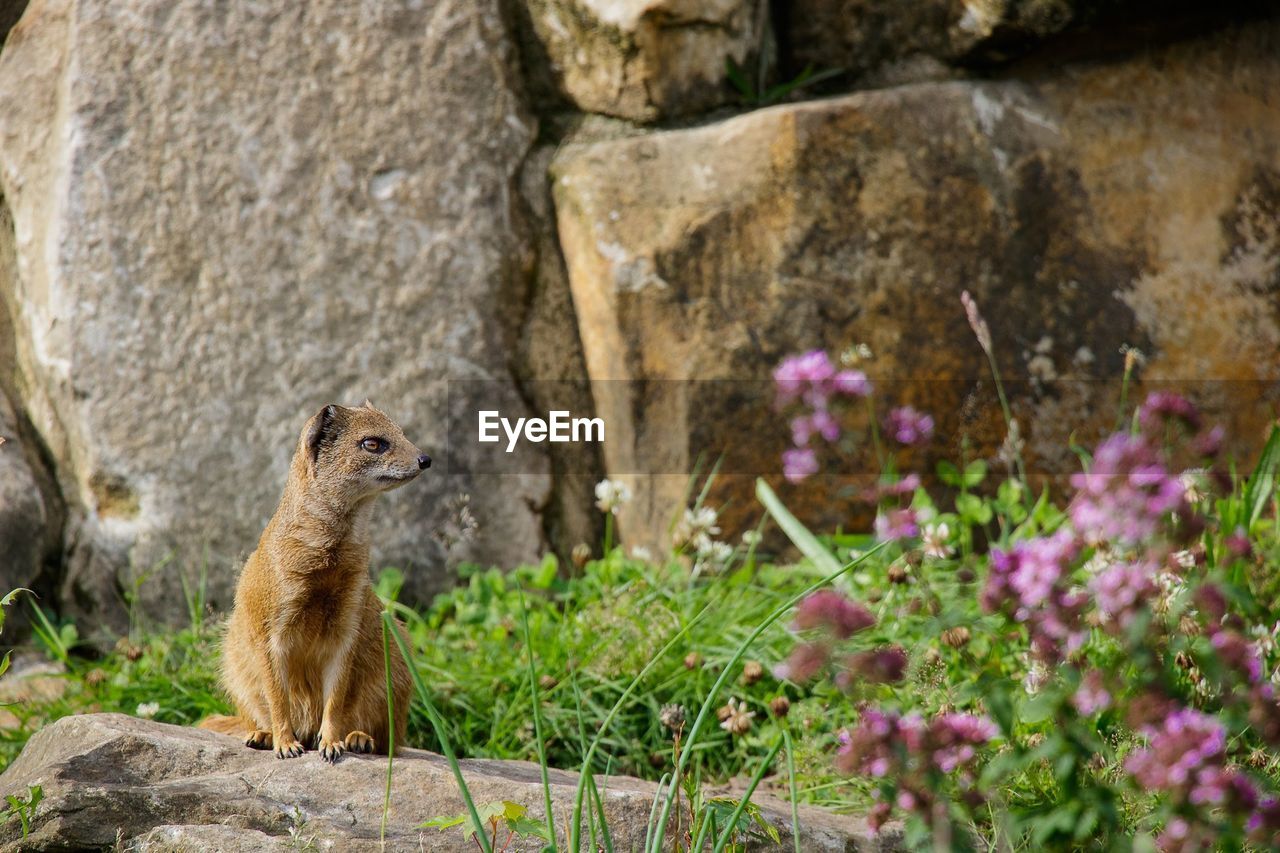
(331, 750)
(289, 748)
(358, 741)
(258, 740)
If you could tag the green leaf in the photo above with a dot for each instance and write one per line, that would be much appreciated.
(974, 473)
(443, 823)
(527, 828)
(1262, 482)
(973, 508)
(4, 663)
(796, 532)
(545, 574)
(512, 811)
(949, 474)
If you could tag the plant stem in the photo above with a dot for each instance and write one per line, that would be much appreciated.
(730, 668)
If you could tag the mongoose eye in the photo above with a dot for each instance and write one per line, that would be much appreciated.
(374, 445)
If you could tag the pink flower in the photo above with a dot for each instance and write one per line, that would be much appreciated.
(1124, 590)
(852, 383)
(896, 524)
(885, 665)
(799, 463)
(829, 609)
(1161, 407)
(798, 373)
(1186, 758)
(805, 661)
(907, 426)
(1127, 495)
(1091, 697)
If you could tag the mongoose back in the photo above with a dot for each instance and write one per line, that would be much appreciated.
(302, 658)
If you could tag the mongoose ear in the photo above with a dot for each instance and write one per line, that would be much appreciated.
(317, 428)
(369, 405)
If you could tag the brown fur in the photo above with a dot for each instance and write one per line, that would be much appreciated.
(302, 658)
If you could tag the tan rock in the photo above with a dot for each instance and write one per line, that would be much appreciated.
(226, 218)
(111, 779)
(648, 59)
(1108, 204)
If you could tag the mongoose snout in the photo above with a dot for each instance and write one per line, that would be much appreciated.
(302, 656)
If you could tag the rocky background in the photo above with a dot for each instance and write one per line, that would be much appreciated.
(217, 217)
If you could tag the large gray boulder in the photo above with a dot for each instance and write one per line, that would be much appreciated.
(109, 779)
(226, 217)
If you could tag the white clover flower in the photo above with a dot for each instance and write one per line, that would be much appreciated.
(855, 354)
(641, 553)
(693, 525)
(935, 540)
(713, 551)
(1037, 677)
(1265, 639)
(1193, 487)
(751, 537)
(1185, 559)
(611, 495)
(148, 709)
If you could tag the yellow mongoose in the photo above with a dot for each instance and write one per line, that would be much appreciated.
(303, 658)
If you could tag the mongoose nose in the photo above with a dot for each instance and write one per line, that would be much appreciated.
(424, 461)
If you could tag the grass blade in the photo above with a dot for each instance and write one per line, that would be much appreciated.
(537, 721)
(1262, 482)
(437, 723)
(791, 784)
(796, 532)
(391, 733)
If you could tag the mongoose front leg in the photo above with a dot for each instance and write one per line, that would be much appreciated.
(337, 677)
(286, 743)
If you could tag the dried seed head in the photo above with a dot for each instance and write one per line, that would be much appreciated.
(780, 706)
(693, 660)
(957, 637)
(752, 671)
(546, 682)
(672, 716)
(898, 573)
(580, 554)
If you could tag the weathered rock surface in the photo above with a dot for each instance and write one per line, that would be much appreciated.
(225, 219)
(28, 522)
(878, 42)
(1106, 204)
(645, 59)
(109, 778)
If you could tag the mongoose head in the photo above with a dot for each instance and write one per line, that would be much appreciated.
(355, 453)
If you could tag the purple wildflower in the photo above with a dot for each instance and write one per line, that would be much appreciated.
(1238, 654)
(1031, 584)
(1123, 590)
(851, 383)
(1161, 407)
(1126, 494)
(829, 609)
(907, 426)
(1186, 757)
(798, 374)
(886, 665)
(895, 524)
(1091, 696)
(805, 661)
(799, 463)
